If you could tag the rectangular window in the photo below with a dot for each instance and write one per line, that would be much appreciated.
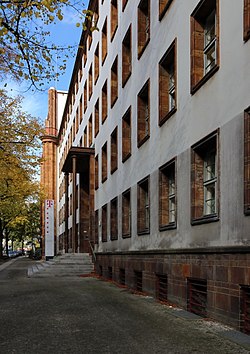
(80, 111)
(126, 57)
(204, 42)
(204, 180)
(197, 296)
(247, 161)
(97, 62)
(96, 172)
(114, 82)
(246, 19)
(143, 207)
(124, 3)
(143, 25)
(162, 287)
(114, 151)
(104, 102)
(104, 223)
(97, 117)
(143, 114)
(114, 219)
(85, 137)
(167, 196)
(114, 18)
(163, 7)
(104, 41)
(96, 227)
(90, 81)
(90, 131)
(138, 280)
(104, 163)
(126, 214)
(167, 84)
(126, 135)
(85, 96)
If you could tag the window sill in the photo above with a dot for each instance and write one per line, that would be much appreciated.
(141, 51)
(114, 101)
(205, 219)
(167, 116)
(114, 238)
(126, 157)
(247, 211)
(143, 232)
(205, 78)
(247, 36)
(142, 141)
(126, 235)
(170, 226)
(125, 80)
(162, 14)
(113, 34)
(104, 118)
(103, 60)
(113, 170)
(104, 179)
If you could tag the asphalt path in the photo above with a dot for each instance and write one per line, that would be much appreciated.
(88, 315)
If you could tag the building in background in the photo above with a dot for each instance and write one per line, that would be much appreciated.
(152, 153)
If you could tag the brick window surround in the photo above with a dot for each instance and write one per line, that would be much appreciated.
(96, 70)
(113, 18)
(104, 42)
(143, 114)
(205, 180)
(104, 223)
(163, 7)
(114, 150)
(114, 82)
(143, 206)
(247, 161)
(143, 26)
(104, 102)
(167, 196)
(114, 219)
(204, 42)
(168, 84)
(126, 135)
(246, 20)
(104, 163)
(96, 172)
(126, 57)
(126, 214)
(97, 118)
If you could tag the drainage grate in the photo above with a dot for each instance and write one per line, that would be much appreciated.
(245, 309)
(138, 280)
(161, 287)
(110, 273)
(122, 276)
(197, 296)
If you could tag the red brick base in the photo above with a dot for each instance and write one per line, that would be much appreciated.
(225, 271)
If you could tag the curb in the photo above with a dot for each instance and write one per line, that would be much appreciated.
(8, 263)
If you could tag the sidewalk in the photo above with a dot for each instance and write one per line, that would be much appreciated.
(7, 263)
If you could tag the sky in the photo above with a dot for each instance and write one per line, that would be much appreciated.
(64, 33)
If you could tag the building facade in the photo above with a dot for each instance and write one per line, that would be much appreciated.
(153, 154)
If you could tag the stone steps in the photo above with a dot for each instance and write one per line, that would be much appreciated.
(63, 266)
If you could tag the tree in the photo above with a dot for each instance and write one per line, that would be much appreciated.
(25, 50)
(19, 158)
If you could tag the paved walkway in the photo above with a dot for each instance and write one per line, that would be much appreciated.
(87, 315)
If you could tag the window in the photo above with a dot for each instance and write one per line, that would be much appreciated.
(163, 7)
(143, 207)
(204, 180)
(90, 131)
(104, 163)
(114, 151)
(167, 84)
(143, 115)
(104, 223)
(90, 81)
(104, 41)
(114, 219)
(126, 135)
(124, 3)
(167, 196)
(85, 137)
(114, 82)
(126, 214)
(96, 227)
(246, 19)
(97, 63)
(97, 117)
(204, 43)
(143, 26)
(104, 102)
(85, 96)
(114, 18)
(247, 162)
(126, 57)
(197, 296)
(96, 172)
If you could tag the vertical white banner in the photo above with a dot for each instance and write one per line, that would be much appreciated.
(49, 228)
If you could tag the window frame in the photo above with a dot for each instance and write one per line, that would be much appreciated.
(143, 120)
(163, 7)
(113, 18)
(104, 163)
(104, 223)
(114, 219)
(143, 29)
(126, 135)
(247, 161)
(127, 56)
(114, 82)
(114, 150)
(246, 20)
(143, 206)
(126, 214)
